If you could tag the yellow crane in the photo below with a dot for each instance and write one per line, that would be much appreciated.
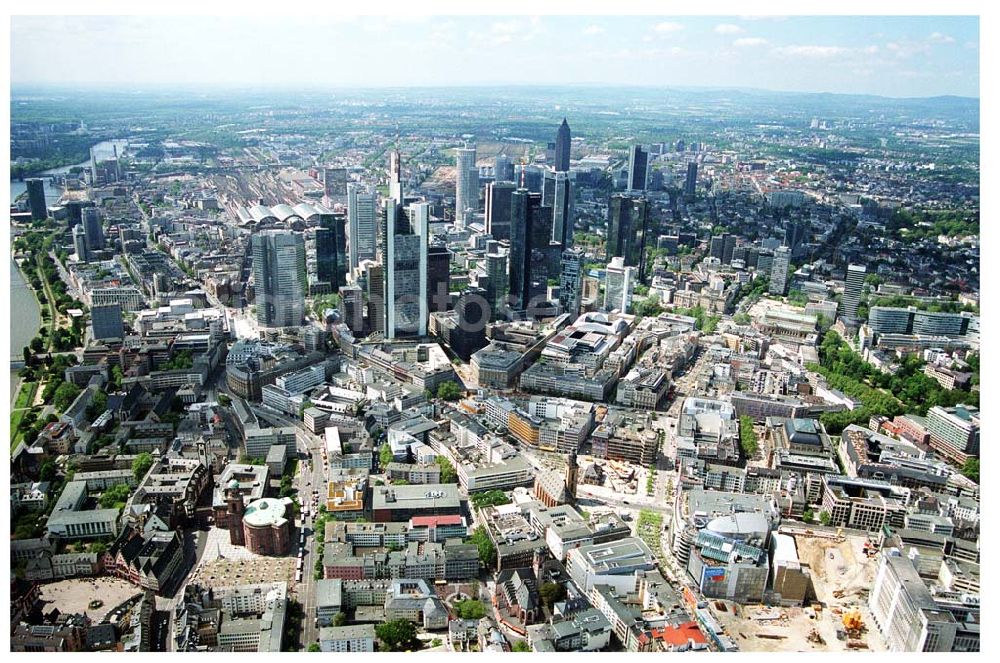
(854, 625)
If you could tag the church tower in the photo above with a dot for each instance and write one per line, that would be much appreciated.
(234, 502)
(571, 478)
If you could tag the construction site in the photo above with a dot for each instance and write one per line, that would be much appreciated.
(835, 618)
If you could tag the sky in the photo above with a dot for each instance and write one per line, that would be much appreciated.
(886, 55)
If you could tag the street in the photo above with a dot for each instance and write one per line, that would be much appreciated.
(311, 445)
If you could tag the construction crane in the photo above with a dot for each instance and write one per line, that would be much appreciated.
(854, 626)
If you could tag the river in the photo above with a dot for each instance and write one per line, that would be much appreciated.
(25, 313)
(25, 318)
(103, 150)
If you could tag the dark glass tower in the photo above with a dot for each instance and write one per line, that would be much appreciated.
(438, 277)
(563, 139)
(36, 198)
(692, 179)
(628, 225)
(331, 250)
(638, 163)
(498, 196)
(530, 229)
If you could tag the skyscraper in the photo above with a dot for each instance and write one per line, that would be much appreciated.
(529, 236)
(563, 141)
(717, 246)
(92, 228)
(74, 211)
(562, 210)
(472, 311)
(795, 234)
(334, 185)
(405, 261)
(395, 177)
(375, 283)
(80, 244)
(496, 280)
(466, 183)
(331, 250)
(628, 227)
(728, 248)
(548, 187)
(498, 209)
(36, 198)
(571, 281)
(362, 237)
(106, 321)
(779, 270)
(529, 177)
(638, 166)
(351, 306)
(503, 170)
(438, 277)
(691, 181)
(279, 269)
(853, 284)
(620, 280)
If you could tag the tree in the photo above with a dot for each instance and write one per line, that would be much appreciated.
(521, 646)
(397, 635)
(313, 646)
(748, 438)
(971, 469)
(64, 396)
(824, 518)
(117, 376)
(650, 306)
(385, 455)
(448, 473)
(449, 391)
(808, 516)
(487, 552)
(47, 471)
(223, 400)
(114, 495)
(551, 592)
(37, 344)
(98, 404)
(470, 609)
(339, 619)
(489, 498)
(141, 465)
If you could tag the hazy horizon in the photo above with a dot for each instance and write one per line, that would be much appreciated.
(135, 88)
(886, 56)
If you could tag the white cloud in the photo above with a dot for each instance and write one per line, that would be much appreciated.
(728, 29)
(903, 50)
(746, 42)
(938, 38)
(667, 27)
(820, 52)
(503, 28)
(592, 30)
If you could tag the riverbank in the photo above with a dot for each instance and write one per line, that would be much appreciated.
(25, 315)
